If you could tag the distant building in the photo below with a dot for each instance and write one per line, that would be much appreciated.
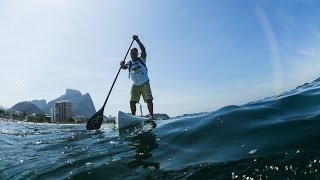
(53, 114)
(61, 112)
(37, 115)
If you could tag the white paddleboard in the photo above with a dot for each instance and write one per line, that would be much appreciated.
(126, 120)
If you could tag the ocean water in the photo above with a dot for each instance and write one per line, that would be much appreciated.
(273, 138)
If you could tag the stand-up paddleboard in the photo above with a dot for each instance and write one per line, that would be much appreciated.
(126, 120)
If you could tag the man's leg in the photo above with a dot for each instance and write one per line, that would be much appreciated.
(135, 94)
(150, 107)
(133, 107)
(147, 97)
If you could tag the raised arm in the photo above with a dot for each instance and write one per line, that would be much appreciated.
(141, 46)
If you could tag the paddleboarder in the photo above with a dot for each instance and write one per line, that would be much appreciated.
(138, 73)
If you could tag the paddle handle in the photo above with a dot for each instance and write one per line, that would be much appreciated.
(105, 102)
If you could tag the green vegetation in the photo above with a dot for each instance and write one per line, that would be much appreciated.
(38, 118)
(7, 114)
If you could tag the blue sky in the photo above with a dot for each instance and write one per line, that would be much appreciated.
(202, 55)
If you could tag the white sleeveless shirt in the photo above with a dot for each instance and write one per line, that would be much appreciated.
(138, 72)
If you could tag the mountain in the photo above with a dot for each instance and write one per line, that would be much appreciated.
(40, 103)
(82, 104)
(1, 107)
(27, 107)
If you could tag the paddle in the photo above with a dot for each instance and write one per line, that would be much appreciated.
(96, 120)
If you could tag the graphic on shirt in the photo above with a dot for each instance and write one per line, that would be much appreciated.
(136, 68)
(138, 73)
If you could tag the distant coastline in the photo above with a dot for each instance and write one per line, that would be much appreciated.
(8, 120)
(42, 123)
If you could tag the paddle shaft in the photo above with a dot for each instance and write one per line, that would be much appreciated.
(105, 102)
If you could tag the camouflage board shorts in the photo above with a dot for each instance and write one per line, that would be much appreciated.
(137, 91)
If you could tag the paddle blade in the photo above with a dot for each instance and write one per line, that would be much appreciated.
(95, 121)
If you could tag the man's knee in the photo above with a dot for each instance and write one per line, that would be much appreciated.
(149, 101)
(133, 103)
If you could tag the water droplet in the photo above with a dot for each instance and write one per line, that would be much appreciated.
(89, 164)
(253, 151)
(69, 162)
(234, 176)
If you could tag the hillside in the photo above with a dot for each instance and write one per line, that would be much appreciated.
(27, 107)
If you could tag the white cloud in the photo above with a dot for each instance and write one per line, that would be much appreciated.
(304, 66)
(309, 52)
(274, 48)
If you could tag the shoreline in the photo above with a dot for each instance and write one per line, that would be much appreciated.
(28, 122)
(8, 120)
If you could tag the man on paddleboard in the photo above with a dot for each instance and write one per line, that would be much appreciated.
(138, 73)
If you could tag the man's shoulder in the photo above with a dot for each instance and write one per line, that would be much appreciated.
(143, 59)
